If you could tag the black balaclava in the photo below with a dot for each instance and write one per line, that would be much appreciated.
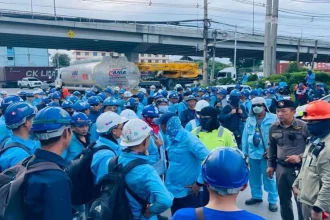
(209, 124)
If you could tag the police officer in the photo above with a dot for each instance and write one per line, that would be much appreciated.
(254, 145)
(287, 142)
(312, 186)
(47, 194)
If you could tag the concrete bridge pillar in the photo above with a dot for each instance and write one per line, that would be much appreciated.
(132, 56)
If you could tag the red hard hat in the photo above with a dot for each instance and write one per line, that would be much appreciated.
(317, 110)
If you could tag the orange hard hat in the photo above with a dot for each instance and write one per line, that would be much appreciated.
(317, 110)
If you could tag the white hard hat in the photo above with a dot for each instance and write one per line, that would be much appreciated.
(3, 92)
(143, 90)
(160, 90)
(201, 104)
(267, 82)
(152, 87)
(127, 94)
(107, 121)
(116, 88)
(128, 114)
(135, 131)
(177, 86)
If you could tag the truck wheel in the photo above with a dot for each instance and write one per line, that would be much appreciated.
(29, 87)
(170, 83)
(20, 86)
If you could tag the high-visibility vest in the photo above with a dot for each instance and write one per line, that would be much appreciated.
(217, 138)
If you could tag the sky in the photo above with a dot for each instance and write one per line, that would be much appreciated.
(297, 18)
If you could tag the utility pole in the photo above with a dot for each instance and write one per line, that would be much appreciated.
(205, 36)
(31, 6)
(55, 9)
(274, 35)
(267, 39)
(215, 33)
(298, 54)
(314, 55)
(235, 50)
(253, 20)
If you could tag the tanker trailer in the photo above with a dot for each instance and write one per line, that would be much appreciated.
(98, 74)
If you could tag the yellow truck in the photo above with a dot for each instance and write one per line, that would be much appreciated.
(169, 74)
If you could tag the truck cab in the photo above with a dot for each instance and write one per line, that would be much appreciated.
(229, 72)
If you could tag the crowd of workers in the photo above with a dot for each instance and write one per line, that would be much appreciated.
(182, 149)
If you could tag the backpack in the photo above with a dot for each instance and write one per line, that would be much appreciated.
(81, 176)
(11, 181)
(13, 145)
(112, 201)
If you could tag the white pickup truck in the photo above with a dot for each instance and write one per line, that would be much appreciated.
(29, 82)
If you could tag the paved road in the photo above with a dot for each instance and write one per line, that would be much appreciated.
(13, 91)
(260, 209)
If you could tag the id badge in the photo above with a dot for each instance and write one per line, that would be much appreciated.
(308, 161)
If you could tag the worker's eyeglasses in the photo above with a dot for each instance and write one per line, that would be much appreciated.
(257, 105)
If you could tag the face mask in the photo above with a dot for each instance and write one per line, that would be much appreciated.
(203, 122)
(163, 109)
(257, 109)
(319, 129)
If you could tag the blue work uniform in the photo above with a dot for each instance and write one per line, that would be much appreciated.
(156, 156)
(213, 99)
(144, 181)
(187, 115)
(190, 214)
(282, 84)
(100, 161)
(245, 78)
(4, 131)
(93, 115)
(145, 101)
(75, 148)
(14, 155)
(181, 107)
(247, 104)
(192, 124)
(47, 194)
(185, 154)
(259, 91)
(254, 147)
(310, 79)
(31, 103)
(94, 135)
(140, 108)
(173, 107)
(36, 101)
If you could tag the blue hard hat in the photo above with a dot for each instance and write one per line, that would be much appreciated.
(205, 97)
(218, 170)
(73, 99)
(89, 94)
(164, 93)
(52, 90)
(191, 97)
(318, 84)
(55, 95)
(108, 90)
(140, 95)
(122, 91)
(67, 104)
(8, 101)
(238, 86)
(245, 93)
(111, 102)
(48, 122)
(102, 95)
(254, 92)
(174, 95)
(158, 96)
(76, 93)
(265, 92)
(271, 91)
(150, 111)
(81, 106)
(80, 119)
(99, 98)
(161, 100)
(45, 100)
(235, 93)
(29, 94)
(53, 104)
(131, 102)
(93, 100)
(21, 93)
(222, 92)
(214, 89)
(195, 89)
(195, 94)
(17, 113)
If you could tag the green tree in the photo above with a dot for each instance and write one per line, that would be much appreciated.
(217, 66)
(61, 60)
(246, 63)
(293, 68)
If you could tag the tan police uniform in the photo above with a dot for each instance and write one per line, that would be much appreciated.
(314, 177)
(283, 142)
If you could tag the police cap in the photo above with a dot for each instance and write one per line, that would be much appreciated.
(286, 104)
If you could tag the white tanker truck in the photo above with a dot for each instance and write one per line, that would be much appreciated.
(98, 74)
